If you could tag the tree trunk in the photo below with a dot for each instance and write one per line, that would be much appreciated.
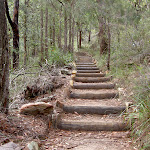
(109, 38)
(50, 31)
(53, 31)
(9, 47)
(37, 38)
(16, 36)
(89, 37)
(25, 33)
(72, 44)
(14, 26)
(70, 32)
(46, 33)
(65, 31)
(103, 40)
(80, 38)
(4, 61)
(42, 49)
(59, 35)
(77, 39)
(34, 47)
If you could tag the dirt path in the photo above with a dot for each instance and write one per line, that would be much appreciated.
(89, 122)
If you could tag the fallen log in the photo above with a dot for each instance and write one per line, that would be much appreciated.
(88, 71)
(90, 74)
(36, 108)
(94, 86)
(90, 95)
(91, 79)
(87, 68)
(41, 87)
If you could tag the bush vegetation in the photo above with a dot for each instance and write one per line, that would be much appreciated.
(130, 64)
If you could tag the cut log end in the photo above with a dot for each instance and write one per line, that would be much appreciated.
(60, 104)
(71, 83)
(74, 72)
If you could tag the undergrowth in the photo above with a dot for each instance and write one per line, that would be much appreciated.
(59, 58)
(141, 132)
(134, 78)
(26, 75)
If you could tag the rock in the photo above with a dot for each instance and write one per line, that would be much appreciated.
(10, 146)
(37, 108)
(65, 71)
(32, 146)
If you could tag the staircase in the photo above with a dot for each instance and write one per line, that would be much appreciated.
(93, 99)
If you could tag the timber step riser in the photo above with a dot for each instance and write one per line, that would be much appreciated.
(87, 68)
(85, 63)
(92, 127)
(94, 110)
(88, 71)
(94, 86)
(90, 74)
(92, 80)
(94, 95)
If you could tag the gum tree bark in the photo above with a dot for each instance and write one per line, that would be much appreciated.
(15, 29)
(4, 61)
(54, 32)
(109, 40)
(80, 38)
(50, 31)
(42, 48)
(77, 34)
(72, 44)
(70, 32)
(65, 31)
(89, 40)
(46, 32)
(60, 30)
(25, 32)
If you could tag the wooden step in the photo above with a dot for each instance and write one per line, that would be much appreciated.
(94, 94)
(86, 63)
(88, 71)
(90, 74)
(92, 109)
(93, 86)
(91, 123)
(84, 59)
(81, 54)
(87, 68)
(91, 79)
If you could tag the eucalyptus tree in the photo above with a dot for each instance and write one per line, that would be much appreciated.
(15, 29)
(4, 61)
